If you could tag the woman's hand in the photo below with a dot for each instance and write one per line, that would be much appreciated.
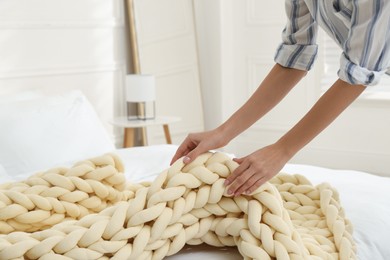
(255, 169)
(197, 143)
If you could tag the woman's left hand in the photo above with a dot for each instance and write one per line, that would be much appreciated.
(255, 169)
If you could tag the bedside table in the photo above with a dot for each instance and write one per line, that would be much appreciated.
(130, 125)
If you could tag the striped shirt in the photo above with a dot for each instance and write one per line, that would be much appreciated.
(360, 28)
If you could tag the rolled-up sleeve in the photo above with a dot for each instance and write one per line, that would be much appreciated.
(366, 52)
(298, 48)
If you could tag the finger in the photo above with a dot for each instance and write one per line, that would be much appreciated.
(245, 188)
(183, 155)
(183, 150)
(255, 186)
(180, 150)
(179, 153)
(240, 181)
(239, 160)
(240, 169)
(193, 154)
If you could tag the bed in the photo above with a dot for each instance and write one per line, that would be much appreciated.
(365, 197)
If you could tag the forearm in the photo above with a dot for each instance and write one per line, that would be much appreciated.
(271, 91)
(324, 112)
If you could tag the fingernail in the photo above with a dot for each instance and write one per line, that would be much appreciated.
(246, 192)
(230, 192)
(227, 182)
(186, 159)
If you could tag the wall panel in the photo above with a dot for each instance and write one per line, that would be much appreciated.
(55, 46)
(168, 49)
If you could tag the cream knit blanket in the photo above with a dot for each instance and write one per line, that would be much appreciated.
(89, 212)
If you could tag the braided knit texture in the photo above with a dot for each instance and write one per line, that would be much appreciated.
(88, 211)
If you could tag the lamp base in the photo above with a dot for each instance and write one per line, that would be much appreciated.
(144, 110)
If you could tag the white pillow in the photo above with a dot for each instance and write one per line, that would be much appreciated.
(43, 132)
(143, 163)
(19, 96)
(4, 176)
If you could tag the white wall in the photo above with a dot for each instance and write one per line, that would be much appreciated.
(208, 18)
(58, 45)
(248, 34)
(168, 49)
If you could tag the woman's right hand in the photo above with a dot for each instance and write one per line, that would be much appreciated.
(197, 143)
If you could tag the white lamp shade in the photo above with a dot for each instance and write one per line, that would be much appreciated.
(140, 88)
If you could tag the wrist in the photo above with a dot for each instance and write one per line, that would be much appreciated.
(223, 134)
(286, 148)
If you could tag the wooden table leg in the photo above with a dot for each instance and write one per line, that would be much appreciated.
(144, 136)
(167, 134)
(129, 138)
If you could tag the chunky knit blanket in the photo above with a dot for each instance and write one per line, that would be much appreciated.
(88, 211)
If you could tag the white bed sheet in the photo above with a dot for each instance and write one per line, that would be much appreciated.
(365, 198)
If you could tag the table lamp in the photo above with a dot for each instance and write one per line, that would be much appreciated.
(141, 89)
